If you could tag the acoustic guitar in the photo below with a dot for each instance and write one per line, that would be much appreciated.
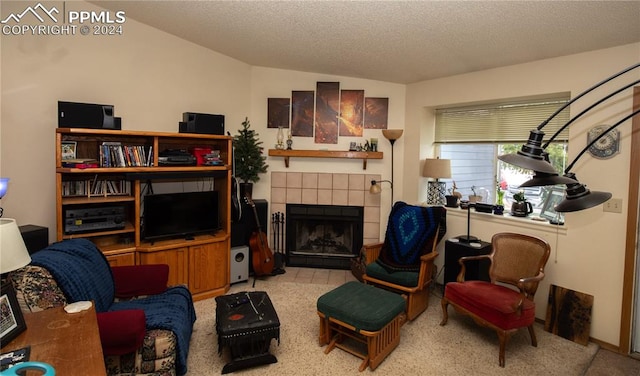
(261, 256)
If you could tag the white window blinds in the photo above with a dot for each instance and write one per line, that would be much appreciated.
(501, 122)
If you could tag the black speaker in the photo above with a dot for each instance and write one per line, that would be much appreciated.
(241, 231)
(35, 237)
(201, 123)
(86, 115)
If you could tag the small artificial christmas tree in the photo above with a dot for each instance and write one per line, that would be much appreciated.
(249, 159)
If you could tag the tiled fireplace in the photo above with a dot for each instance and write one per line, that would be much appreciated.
(352, 216)
(326, 236)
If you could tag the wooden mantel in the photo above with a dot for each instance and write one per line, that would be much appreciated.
(364, 155)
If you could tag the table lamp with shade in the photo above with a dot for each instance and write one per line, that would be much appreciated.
(13, 255)
(436, 169)
(13, 252)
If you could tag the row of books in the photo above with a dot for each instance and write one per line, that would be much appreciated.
(95, 187)
(114, 154)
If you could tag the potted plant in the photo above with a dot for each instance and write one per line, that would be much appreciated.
(521, 208)
(453, 197)
(474, 197)
(249, 160)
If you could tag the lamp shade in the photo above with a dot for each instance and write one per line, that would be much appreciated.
(392, 134)
(541, 179)
(437, 168)
(579, 197)
(531, 156)
(376, 188)
(13, 251)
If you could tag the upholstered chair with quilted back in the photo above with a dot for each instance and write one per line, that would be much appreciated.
(505, 304)
(145, 327)
(403, 263)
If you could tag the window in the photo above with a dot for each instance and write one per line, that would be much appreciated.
(473, 136)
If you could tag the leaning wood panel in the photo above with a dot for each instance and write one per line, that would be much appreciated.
(569, 314)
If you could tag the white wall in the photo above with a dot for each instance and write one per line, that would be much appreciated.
(276, 83)
(150, 77)
(589, 257)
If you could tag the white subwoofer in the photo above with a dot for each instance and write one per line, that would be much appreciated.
(239, 264)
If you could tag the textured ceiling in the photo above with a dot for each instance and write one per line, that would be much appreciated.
(395, 41)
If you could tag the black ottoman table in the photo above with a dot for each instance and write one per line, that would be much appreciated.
(246, 322)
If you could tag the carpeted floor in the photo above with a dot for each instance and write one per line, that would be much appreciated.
(426, 348)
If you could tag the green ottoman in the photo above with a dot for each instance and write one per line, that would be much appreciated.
(364, 313)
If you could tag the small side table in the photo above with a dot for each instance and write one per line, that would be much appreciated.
(475, 270)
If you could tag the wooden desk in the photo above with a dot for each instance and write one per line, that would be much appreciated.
(70, 342)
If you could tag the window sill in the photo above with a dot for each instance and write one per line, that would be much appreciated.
(507, 219)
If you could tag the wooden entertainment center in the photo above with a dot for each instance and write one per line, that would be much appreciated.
(104, 204)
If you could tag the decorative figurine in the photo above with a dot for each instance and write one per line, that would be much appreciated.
(280, 144)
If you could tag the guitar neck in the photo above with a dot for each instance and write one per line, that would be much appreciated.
(255, 212)
(255, 215)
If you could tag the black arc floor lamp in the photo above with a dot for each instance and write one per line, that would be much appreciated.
(578, 196)
(533, 156)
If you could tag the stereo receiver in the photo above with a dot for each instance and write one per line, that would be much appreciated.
(77, 221)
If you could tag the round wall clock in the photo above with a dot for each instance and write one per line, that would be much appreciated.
(607, 146)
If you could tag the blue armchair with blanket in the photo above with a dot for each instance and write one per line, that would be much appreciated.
(145, 327)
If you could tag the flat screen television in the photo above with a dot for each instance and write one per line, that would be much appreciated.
(173, 215)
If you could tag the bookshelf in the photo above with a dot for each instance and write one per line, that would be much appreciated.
(99, 193)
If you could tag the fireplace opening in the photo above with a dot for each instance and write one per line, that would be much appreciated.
(323, 236)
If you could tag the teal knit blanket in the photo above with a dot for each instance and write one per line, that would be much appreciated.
(410, 231)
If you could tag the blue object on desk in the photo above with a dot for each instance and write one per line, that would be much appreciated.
(31, 366)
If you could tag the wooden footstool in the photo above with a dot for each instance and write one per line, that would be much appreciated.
(364, 313)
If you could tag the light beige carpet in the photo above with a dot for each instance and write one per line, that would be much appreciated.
(426, 348)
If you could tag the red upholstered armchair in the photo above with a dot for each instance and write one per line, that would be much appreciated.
(145, 326)
(517, 261)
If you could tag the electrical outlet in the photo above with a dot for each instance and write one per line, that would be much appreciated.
(614, 205)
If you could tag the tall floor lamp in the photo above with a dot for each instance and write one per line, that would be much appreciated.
(392, 135)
